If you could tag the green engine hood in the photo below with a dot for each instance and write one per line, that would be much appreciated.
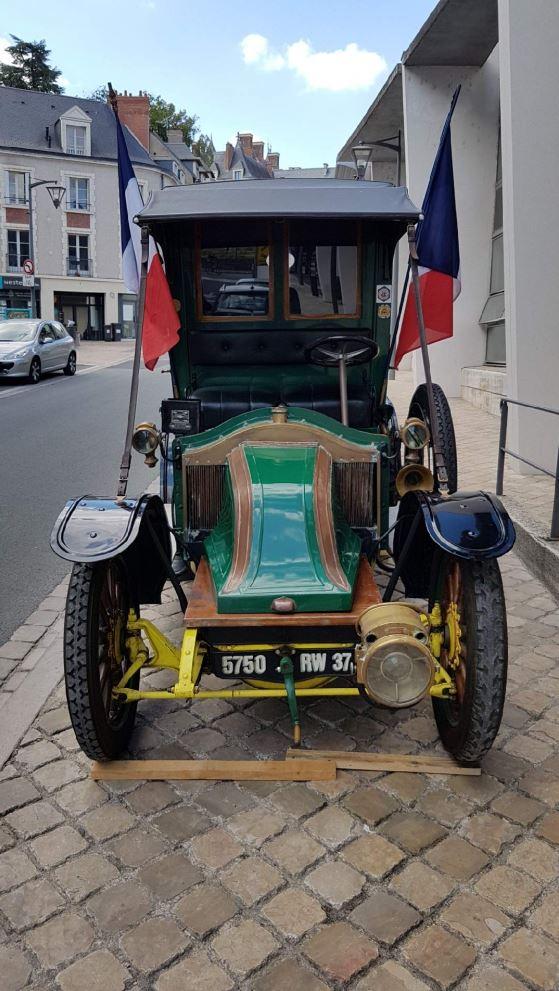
(281, 533)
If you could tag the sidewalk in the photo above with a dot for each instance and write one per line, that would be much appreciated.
(528, 498)
(377, 882)
(102, 354)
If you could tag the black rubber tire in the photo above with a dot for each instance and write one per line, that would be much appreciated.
(419, 406)
(70, 366)
(98, 736)
(34, 372)
(468, 729)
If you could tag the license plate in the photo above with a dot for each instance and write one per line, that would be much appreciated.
(307, 662)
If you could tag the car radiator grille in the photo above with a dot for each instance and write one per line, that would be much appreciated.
(354, 484)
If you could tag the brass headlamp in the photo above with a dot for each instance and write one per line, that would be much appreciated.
(145, 440)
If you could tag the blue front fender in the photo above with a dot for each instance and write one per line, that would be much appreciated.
(468, 525)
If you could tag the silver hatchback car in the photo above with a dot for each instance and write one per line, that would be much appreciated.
(30, 347)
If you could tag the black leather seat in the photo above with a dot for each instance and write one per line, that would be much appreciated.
(250, 352)
(220, 402)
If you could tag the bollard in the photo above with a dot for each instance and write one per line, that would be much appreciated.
(502, 446)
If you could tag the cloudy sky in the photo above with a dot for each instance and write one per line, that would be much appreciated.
(299, 75)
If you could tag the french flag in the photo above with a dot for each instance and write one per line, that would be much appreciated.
(438, 255)
(161, 322)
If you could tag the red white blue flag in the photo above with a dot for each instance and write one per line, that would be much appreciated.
(161, 323)
(438, 254)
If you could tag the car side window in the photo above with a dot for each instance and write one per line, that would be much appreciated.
(47, 333)
(59, 331)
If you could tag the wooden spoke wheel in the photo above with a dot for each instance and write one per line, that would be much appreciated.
(474, 654)
(419, 407)
(95, 658)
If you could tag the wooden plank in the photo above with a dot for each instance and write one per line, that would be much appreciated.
(214, 770)
(201, 610)
(412, 763)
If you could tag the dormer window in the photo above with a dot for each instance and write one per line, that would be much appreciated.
(74, 129)
(75, 139)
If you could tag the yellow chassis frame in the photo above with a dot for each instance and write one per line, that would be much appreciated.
(188, 659)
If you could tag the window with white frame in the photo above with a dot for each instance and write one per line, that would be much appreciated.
(76, 139)
(238, 174)
(78, 193)
(16, 188)
(18, 249)
(79, 262)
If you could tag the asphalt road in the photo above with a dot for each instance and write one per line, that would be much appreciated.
(60, 439)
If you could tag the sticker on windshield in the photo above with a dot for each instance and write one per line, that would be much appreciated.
(384, 311)
(384, 294)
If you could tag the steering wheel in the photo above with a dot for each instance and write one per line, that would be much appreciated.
(347, 348)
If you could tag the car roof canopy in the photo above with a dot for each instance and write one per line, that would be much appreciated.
(251, 198)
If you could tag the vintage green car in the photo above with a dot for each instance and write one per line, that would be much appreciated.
(291, 486)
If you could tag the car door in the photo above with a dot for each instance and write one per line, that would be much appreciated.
(63, 345)
(47, 348)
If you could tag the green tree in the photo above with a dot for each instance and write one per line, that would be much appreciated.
(30, 68)
(203, 146)
(164, 115)
(101, 94)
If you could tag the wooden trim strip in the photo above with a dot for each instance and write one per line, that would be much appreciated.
(214, 770)
(413, 763)
(324, 520)
(241, 484)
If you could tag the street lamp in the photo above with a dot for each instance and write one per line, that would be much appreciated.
(56, 194)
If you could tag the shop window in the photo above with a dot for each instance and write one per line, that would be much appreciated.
(16, 188)
(18, 249)
(78, 193)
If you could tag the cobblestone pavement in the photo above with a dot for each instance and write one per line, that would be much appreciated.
(377, 882)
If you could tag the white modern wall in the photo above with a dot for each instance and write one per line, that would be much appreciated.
(529, 33)
(427, 92)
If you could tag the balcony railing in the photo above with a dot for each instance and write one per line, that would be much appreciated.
(14, 263)
(73, 150)
(13, 199)
(77, 206)
(79, 266)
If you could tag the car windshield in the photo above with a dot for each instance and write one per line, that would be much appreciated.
(17, 330)
(245, 302)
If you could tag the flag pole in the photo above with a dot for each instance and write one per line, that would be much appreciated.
(392, 344)
(134, 383)
(132, 403)
(438, 456)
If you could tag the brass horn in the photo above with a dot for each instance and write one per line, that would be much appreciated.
(414, 478)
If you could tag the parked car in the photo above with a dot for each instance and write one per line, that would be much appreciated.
(249, 298)
(30, 347)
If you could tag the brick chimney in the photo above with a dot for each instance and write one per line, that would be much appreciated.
(134, 112)
(258, 150)
(229, 150)
(245, 141)
(272, 161)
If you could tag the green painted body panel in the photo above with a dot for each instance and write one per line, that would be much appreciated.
(236, 425)
(284, 555)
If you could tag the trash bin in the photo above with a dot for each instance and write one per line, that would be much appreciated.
(117, 331)
(73, 332)
(108, 332)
